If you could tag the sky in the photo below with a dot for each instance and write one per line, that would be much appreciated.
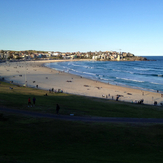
(134, 26)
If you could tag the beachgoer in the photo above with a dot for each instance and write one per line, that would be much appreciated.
(29, 102)
(57, 108)
(155, 103)
(141, 101)
(34, 101)
(117, 98)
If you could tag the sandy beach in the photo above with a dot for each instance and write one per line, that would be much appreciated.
(33, 73)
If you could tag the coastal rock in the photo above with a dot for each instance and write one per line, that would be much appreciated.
(136, 58)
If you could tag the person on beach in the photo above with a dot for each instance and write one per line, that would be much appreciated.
(117, 98)
(141, 101)
(155, 103)
(34, 100)
(29, 102)
(57, 108)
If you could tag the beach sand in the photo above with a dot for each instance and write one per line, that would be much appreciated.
(36, 74)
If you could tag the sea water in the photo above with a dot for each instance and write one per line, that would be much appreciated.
(145, 75)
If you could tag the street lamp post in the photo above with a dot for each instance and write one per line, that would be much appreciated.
(25, 74)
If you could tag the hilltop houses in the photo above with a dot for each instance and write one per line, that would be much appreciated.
(101, 55)
(113, 56)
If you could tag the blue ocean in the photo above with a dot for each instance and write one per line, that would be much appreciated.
(144, 75)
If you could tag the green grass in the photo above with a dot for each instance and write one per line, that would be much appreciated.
(77, 105)
(25, 139)
(30, 140)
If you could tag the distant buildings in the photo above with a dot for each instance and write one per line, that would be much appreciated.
(31, 54)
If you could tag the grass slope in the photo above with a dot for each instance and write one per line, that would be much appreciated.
(29, 140)
(78, 105)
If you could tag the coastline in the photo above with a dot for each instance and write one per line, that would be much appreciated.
(36, 73)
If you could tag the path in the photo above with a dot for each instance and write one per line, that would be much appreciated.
(85, 119)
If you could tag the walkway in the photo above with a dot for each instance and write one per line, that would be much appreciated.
(85, 118)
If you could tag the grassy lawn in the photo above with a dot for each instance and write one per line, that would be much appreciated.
(25, 139)
(77, 105)
(31, 140)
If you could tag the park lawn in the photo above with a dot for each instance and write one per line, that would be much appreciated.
(72, 104)
(29, 140)
(26, 139)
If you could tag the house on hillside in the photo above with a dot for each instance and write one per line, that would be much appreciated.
(103, 56)
(130, 55)
(1, 55)
(87, 55)
(119, 57)
(124, 54)
(112, 57)
(96, 57)
(55, 53)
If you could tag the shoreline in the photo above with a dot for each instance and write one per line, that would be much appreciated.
(125, 86)
(119, 84)
(36, 73)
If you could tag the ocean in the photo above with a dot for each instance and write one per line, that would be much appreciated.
(144, 75)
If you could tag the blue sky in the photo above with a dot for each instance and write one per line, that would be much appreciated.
(134, 26)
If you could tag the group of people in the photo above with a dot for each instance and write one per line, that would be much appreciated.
(51, 90)
(141, 101)
(29, 102)
(34, 101)
(55, 91)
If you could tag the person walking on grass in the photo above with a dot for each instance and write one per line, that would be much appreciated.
(57, 108)
(29, 102)
(34, 101)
